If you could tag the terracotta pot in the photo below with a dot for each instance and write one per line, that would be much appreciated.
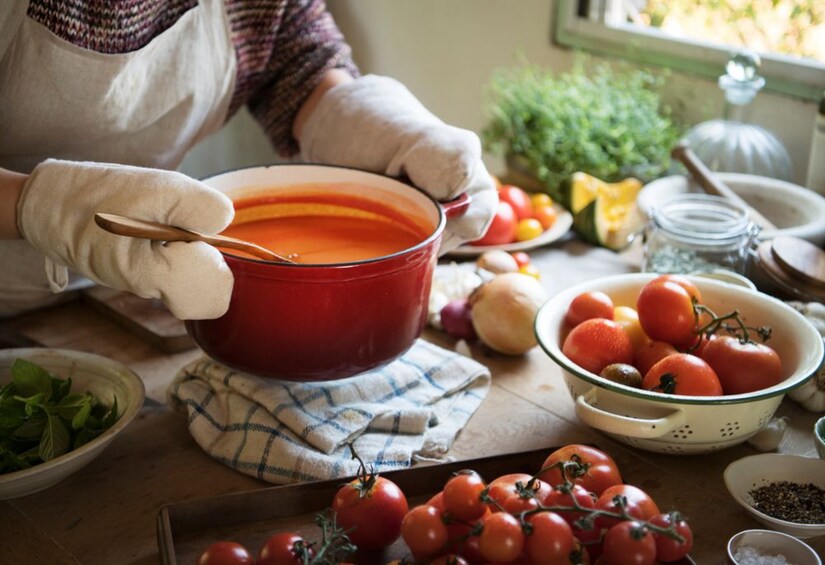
(320, 322)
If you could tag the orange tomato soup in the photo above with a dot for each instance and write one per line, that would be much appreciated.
(323, 229)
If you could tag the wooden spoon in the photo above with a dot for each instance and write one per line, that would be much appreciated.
(711, 184)
(132, 227)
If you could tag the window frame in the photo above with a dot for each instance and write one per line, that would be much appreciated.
(791, 76)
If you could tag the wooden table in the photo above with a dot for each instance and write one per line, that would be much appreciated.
(106, 513)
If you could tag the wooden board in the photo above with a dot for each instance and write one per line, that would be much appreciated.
(147, 319)
(186, 529)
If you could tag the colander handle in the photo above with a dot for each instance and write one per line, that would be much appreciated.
(625, 425)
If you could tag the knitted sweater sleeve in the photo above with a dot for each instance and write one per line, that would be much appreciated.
(283, 47)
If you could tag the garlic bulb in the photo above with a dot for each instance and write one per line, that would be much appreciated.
(770, 435)
(811, 394)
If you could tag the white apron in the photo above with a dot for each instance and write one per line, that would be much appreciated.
(145, 108)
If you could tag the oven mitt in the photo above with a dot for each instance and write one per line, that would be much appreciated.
(285, 432)
(375, 123)
(55, 214)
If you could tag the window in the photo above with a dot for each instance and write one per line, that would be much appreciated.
(699, 36)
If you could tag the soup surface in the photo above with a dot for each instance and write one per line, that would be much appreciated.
(323, 232)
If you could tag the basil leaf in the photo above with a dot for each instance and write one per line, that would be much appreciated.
(79, 420)
(31, 379)
(31, 429)
(8, 390)
(12, 413)
(112, 416)
(33, 403)
(72, 404)
(84, 436)
(60, 388)
(55, 440)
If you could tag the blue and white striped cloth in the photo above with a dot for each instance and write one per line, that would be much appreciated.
(287, 432)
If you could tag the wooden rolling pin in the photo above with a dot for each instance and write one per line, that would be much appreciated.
(711, 184)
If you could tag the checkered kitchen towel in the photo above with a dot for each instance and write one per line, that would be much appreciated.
(286, 432)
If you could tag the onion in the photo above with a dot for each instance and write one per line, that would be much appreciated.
(497, 261)
(455, 319)
(504, 310)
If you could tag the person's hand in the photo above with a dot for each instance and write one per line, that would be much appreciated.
(55, 213)
(375, 123)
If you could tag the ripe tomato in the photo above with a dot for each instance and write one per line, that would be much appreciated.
(589, 305)
(517, 198)
(667, 548)
(651, 353)
(684, 374)
(503, 488)
(424, 531)
(742, 367)
(584, 465)
(560, 498)
(540, 199)
(501, 539)
(462, 496)
(550, 541)
(629, 542)
(546, 215)
(225, 553)
(528, 228)
(628, 319)
(596, 343)
(684, 282)
(638, 504)
(371, 508)
(283, 548)
(666, 312)
(502, 229)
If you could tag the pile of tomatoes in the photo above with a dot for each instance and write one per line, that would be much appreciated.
(670, 343)
(520, 216)
(574, 509)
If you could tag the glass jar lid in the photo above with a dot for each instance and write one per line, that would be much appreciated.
(703, 219)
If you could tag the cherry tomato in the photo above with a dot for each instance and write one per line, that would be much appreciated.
(424, 531)
(501, 539)
(540, 199)
(666, 312)
(502, 229)
(283, 548)
(629, 543)
(628, 319)
(667, 548)
(528, 228)
(225, 553)
(638, 504)
(550, 540)
(503, 486)
(742, 367)
(685, 374)
(517, 198)
(589, 305)
(579, 494)
(462, 496)
(596, 343)
(522, 258)
(371, 508)
(505, 493)
(651, 353)
(589, 467)
(546, 215)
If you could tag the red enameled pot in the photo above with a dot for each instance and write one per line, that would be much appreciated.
(321, 322)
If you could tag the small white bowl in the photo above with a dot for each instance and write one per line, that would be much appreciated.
(767, 542)
(748, 473)
(102, 377)
(795, 210)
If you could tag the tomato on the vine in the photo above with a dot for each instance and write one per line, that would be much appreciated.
(666, 312)
(742, 366)
(565, 498)
(501, 539)
(596, 343)
(371, 508)
(283, 548)
(685, 374)
(424, 531)
(651, 353)
(584, 465)
(629, 542)
(225, 553)
(550, 539)
(667, 548)
(462, 496)
(684, 282)
(589, 305)
(638, 504)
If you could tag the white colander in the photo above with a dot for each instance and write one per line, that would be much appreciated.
(669, 423)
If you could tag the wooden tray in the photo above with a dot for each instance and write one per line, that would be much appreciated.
(186, 529)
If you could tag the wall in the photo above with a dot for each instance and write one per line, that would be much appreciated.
(446, 50)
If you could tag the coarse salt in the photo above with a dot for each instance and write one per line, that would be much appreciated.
(747, 555)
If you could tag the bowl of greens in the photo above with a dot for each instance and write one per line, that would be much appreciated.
(59, 409)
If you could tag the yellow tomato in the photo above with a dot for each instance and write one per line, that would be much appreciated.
(539, 200)
(546, 215)
(530, 269)
(528, 228)
(628, 318)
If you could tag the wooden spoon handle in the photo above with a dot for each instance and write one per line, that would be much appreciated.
(711, 184)
(144, 229)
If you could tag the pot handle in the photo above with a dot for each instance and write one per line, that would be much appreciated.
(457, 206)
(625, 425)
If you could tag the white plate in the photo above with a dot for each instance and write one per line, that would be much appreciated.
(560, 227)
(755, 471)
(104, 378)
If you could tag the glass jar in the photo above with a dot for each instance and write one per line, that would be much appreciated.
(695, 233)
